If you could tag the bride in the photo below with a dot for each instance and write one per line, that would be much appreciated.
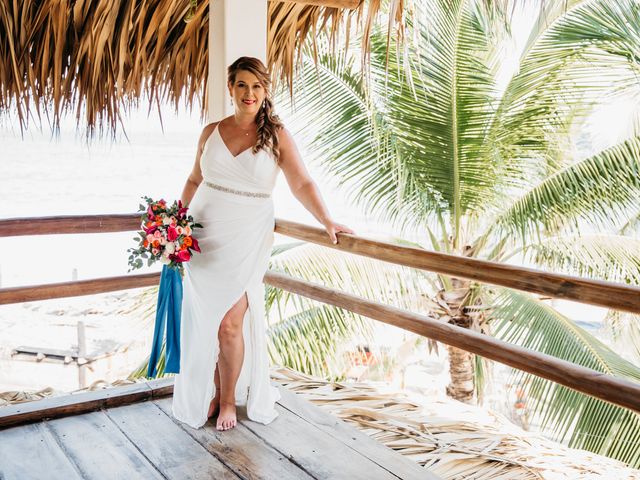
(224, 361)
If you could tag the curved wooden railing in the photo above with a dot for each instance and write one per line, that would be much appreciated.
(611, 295)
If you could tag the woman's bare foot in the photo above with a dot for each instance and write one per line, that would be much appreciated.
(227, 418)
(213, 406)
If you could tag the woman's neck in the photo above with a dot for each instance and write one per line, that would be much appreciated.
(244, 122)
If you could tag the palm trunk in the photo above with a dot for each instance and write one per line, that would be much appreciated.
(462, 386)
(461, 362)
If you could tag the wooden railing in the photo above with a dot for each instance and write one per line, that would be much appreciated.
(618, 296)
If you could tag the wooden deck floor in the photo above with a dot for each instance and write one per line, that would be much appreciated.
(143, 440)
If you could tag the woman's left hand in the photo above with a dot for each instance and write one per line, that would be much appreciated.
(332, 228)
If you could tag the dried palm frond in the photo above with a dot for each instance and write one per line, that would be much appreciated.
(96, 58)
(449, 438)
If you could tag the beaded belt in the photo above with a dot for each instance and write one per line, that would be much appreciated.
(237, 192)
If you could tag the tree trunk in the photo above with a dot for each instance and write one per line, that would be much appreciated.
(461, 362)
(461, 369)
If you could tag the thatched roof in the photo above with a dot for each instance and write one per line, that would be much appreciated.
(96, 57)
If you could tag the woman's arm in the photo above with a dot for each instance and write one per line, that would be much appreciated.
(303, 187)
(195, 177)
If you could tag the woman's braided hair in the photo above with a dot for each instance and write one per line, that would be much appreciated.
(268, 123)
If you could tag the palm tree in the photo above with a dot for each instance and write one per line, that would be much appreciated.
(427, 138)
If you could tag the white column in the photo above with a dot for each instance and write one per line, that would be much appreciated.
(236, 29)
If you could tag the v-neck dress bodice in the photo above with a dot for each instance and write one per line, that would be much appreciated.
(246, 171)
(234, 206)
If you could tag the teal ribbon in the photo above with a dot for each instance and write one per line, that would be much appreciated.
(168, 312)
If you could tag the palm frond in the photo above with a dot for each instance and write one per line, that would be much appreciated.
(578, 55)
(96, 59)
(597, 191)
(607, 257)
(622, 331)
(309, 339)
(582, 421)
(400, 286)
(439, 116)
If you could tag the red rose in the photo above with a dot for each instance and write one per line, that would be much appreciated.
(172, 234)
(183, 256)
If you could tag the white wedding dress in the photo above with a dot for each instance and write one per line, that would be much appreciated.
(234, 206)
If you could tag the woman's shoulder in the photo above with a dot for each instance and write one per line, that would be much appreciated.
(284, 135)
(207, 130)
(209, 127)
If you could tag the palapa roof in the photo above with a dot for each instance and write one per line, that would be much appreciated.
(97, 57)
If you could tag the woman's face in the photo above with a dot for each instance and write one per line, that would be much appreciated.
(247, 92)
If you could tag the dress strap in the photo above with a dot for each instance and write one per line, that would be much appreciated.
(204, 142)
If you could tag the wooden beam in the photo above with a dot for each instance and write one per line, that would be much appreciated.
(14, 227)
(348, 4)
(594, 292)
(597, 384)
(591, 382)
(55, 407)
(77, 288)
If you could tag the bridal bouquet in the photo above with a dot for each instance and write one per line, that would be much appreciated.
(166, 236)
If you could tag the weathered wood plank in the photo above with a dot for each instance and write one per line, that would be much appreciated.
(76, 288)
(594, 292)
(239, 449)
(99, 449)
(173, 451)
(31, 451)
(352, 438)
(83, 402)
(597, 384)
(13, 227)
(314, 450)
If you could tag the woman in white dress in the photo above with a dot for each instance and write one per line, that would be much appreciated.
(223, 354)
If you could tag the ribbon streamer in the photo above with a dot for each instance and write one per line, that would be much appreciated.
(168, 311)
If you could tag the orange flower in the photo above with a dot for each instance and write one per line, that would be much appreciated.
(156, 243)
(183, 246)
(149, 224)
(145, 244)
(159, 221)
(187, 241)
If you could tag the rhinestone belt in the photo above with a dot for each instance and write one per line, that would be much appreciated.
(237, 192)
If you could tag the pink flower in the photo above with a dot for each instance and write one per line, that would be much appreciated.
(172, 234)
(150, 238)
(180, 230)
(157, 234)
(187, 231)
(183, 256)
(155, 251)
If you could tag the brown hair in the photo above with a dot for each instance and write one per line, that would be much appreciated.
(268, 123)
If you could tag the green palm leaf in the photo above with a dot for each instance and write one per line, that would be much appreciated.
(598, 190)
(578, 55)
(583, 421)
(607, 257)
(309, 340)
(622, 329)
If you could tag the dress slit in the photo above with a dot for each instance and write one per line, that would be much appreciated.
(217, 341)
